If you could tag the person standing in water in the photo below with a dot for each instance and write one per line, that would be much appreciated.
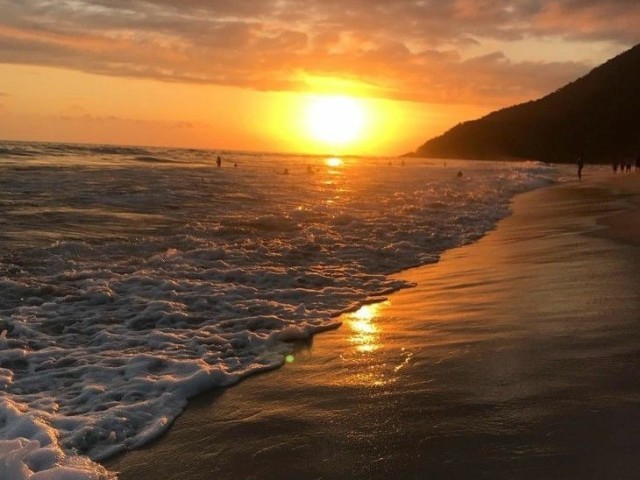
(580, 166)
(219, 162)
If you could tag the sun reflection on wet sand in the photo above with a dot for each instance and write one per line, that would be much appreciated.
(365, 333)
(375, 359)
(365, 367)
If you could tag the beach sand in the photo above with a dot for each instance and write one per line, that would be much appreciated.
(516, 357)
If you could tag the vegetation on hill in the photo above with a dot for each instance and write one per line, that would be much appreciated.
(597, 115)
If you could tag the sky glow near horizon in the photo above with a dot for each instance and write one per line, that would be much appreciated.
(238, 75)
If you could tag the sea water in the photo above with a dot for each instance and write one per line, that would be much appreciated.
(132, 279)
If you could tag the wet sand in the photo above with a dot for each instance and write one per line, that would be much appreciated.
(517, 357)
(625, 225)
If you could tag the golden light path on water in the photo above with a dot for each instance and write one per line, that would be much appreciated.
(333, 162)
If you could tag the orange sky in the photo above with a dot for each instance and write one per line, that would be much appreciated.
(242, 75)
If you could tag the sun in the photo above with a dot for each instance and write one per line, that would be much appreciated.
(335, 120)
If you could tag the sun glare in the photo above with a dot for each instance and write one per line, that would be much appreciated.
(334, 124)
(335, 120)
(333, 162)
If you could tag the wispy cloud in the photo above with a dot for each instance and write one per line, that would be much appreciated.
(114, 119)
(405, 49)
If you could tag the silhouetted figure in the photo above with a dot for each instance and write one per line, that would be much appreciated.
(615, 166)
(459, 174)
(580, 166)
(637, 163)
(219, 162)
(629, 166)
(286, 171)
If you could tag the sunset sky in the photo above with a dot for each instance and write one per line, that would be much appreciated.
(267, 74)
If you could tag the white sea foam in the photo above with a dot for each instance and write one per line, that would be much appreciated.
(133, 279)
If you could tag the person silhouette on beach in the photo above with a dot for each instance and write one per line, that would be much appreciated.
(615, 166)
(580, 166)
(637, 163)
(219, 162)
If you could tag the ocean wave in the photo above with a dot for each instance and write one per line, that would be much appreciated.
(205, 277)
(152, 159)
(15, 152)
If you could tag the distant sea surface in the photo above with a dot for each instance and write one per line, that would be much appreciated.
(132, 279)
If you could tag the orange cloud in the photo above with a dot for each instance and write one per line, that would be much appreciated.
(430, 51)
(594, 19)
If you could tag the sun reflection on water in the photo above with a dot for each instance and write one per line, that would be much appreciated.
(333, 162)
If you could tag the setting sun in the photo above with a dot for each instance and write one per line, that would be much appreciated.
(335, 120)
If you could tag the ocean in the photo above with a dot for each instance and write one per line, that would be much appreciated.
(133, 279)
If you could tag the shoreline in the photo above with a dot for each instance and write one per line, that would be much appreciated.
(298, 421)
(625, 225)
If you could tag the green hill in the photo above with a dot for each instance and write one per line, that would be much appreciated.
(598, 115)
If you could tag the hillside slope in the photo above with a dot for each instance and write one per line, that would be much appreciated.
(597, 115)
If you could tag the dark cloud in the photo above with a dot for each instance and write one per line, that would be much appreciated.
(405, 49)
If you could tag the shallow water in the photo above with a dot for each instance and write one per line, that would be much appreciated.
(132, 279)
(512, 358)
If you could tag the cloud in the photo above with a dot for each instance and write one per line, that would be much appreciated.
(76, 115)
(592, 21)
(425, 50)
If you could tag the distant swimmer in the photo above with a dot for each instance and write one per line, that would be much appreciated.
(235, 165)
(219, 162)
(459, 174)
(286, 171)
(580, 166)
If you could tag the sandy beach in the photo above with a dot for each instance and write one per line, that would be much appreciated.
(516, 357)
